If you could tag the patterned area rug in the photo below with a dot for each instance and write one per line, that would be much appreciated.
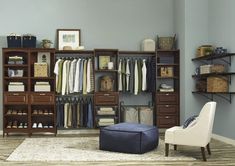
(82, 149)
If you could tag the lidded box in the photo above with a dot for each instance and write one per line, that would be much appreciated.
(40, 70)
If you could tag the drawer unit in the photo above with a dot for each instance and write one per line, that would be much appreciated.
(167, 121)
(110, 98)
(167, 98)
(167, 109)
(15, 98)
(42, 98)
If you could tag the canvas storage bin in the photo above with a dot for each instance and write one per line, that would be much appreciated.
(166, 71)
(217, 84)
(13, 41)
(204, 50)
(40, 70)
(29, 41)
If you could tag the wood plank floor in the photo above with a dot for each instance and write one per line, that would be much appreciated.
(222, 154)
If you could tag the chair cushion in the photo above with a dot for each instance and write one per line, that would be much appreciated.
(189, 121)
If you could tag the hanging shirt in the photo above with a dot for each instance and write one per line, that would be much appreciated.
(144, 72)
(123, 75)
(120, 75)
(76, 79)
(59, 85)
(81, 76)
(127, 75)
(84, 78)
(88, 77)
(56, 71)
(90, 115)
(72, 75)
(136, 79)
(64, 77)
(66, 108)
(92, 76)
(67, 77)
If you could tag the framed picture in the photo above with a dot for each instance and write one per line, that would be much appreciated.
(68, 39)
(103, 61)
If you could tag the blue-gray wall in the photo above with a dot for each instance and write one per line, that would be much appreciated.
(120, 24)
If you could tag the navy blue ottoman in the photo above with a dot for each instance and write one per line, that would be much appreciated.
(129, 138)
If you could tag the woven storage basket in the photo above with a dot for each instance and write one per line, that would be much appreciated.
(166, 71)
(217, 68)
(217, 84)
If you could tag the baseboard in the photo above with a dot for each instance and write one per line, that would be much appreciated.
(224, 139)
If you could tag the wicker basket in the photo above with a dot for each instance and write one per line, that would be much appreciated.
(215, 68)
(166, 71)
(217, 84)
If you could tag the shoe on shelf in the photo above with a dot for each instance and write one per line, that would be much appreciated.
(9, 112)
(25, 125)
(24, 112)
(40, 112)
(45, 112)
(39, 125)
(45, 126)
(14, 125)
(50, 112)
(19, 112)
(20, 126)
(14, 112)
(34, 125)
(35, 112)
(50, 126)
(9, 125)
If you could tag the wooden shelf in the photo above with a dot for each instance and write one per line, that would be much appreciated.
(167, 64)
(15, 78)
(160, 77)
(213, 92)
(213, 56)
(74, 52)
(137, 53)
(15, 65)
(173, 50)
(42, 78)
(213, 74)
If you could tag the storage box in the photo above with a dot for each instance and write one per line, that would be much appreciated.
(215, 68)
(40, 70)
(42, 88)
(217, 84)
(13, 41)
(15, 88)
(29, 41)
(166, 43)
(166, 71)
(148, 45)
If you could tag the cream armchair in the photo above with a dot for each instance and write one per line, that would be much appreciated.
(197, 135)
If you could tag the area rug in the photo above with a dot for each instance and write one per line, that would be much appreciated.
(82, 149)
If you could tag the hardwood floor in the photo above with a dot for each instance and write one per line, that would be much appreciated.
(222, 154)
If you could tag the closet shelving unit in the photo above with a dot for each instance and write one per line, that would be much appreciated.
(167, 103)
(16, 102)
(226, 59)
(71, 54)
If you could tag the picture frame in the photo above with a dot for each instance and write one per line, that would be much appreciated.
(44, 57)
(103, 61)
(68, 39)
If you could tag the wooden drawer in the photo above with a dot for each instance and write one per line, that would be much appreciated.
(110, 98)
(15, 98)
(167, 98)
(167, 121)
(167, 109)
(43, 98)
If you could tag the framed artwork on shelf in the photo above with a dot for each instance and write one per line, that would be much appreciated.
(103, 61)
(68, 39)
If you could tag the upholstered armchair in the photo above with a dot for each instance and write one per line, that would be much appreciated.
(198, 134)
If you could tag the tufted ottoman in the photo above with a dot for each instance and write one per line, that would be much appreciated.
(129, 138)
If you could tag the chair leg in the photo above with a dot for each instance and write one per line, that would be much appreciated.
(166, 149)
(208, 148)
(203, 153)
(175, 147)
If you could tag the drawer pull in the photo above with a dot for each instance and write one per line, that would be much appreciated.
(42, 94)
(16, 94)
(167, 117)
(167, 94)
(167, 106)
(106, 94)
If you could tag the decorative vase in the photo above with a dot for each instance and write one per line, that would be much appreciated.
(46, 45)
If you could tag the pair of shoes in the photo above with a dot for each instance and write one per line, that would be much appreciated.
(35, 125)
(9, 125)
(24, 112)
(40, 112)
(20, 126)
(25, 125)
(45, 112)
(14, 125)
(35, 112)
(9, 112)
(14, 112)
(50, 112)
(20, 112)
